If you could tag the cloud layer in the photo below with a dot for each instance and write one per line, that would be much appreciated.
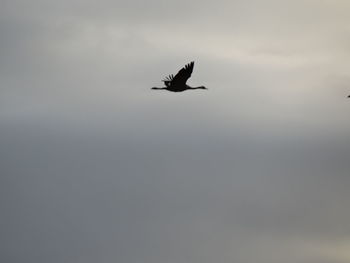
(96, 167)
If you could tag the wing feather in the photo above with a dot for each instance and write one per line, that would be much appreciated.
(167, 81)
(181, 77)
(184, 74)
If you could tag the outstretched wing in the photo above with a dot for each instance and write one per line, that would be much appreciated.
(167, 81)
(184, 74)
(181, 77)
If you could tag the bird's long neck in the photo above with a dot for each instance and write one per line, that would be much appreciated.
(158, 88)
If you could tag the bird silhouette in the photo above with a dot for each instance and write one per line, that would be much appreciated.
(177, 83)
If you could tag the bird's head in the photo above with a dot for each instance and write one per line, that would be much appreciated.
(202, 87)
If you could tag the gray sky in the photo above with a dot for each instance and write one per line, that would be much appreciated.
(96, 167)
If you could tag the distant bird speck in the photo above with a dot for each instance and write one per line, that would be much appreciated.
(177, 83)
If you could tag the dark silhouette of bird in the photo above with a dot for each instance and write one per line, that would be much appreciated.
(177, 83)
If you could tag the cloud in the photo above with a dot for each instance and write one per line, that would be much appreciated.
(97, 167)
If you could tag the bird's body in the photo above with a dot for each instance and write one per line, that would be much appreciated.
(177, 83)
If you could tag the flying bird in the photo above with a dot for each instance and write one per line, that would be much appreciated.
(177, 83)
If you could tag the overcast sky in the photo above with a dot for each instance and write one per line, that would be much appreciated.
(97, 167)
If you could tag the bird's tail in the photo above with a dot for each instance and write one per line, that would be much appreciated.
(157, 88)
